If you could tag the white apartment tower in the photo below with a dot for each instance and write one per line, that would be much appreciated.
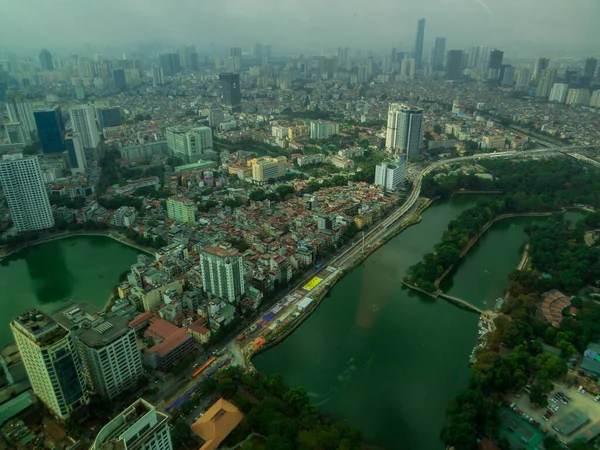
(158, 77)
(51, 361)
(558, 93)
(83, 120)
(25, 192)
(404, 129)
(14, 132)
(222, 272)
(107, 347)
(390, 176)
(21, 111)
(139, 427)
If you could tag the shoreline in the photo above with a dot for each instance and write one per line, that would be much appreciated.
(68, 234)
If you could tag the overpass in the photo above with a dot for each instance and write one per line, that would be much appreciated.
(460, 302)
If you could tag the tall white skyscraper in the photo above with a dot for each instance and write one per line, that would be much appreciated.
(76, 153)
(222, 269)
(558, 93)
(25, 192)
(139, 427)
(107, 347)
(158, 77)
(404, 129)
(407, 69)
(83, 120)
(522, 78)
(51, 361)
(20, 110)
(545, 83)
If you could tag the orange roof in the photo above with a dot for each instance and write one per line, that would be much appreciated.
(141, 318)
(216, 423)
(170, 343)
(198, 326)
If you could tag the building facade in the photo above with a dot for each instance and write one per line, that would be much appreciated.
(231, 96)
(404, 129)
(181, 209)
(390, 176)
(545, 83)
(558, 93)
(438, 54)
(419, 44)
(266, 168)
(15, 134)
(83, 121)
(222, 272)
(21, 111)
(76, 152)
(25, 191)
(109, 116)
(51, 129)
(53, 366)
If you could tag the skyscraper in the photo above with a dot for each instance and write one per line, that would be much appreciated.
(235, 52)
(46, 60)
(454, 65)
(590, 67)
(25, 192)
(540, 64)
(158, 77)
(21, 111)
(108, 116)
(51, 129)
(545, 83)
(15, 134)
(438, 54)
(119, 78)
(407, 69)
(222, 269)
(230, 90)
(522, 76)
(507, 75)
(390, 176)
(107, 346)
(51, 361)
(76, 152)
(495, 59)
(404, 129)
(83, 121)
(419, 44)
(139, 427)
(257, 51)
(559, 92)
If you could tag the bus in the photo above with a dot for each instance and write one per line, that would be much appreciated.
(204, 366)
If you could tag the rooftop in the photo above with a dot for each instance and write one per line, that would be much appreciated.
(36, 324)
(221, 250)
(216, 423)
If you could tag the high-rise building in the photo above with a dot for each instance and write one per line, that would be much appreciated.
(590, 67)
(419, 44)
(595, 99)
(139, 427)
(222, 269)
(108, 116)
(230, 90)
(495, 59)
(83, 121)
(189, 145)
(21, 111)
(15, 134)
(390, 176)
(342, 57)
(578, 97)
(170, 63)
(438, 54)
(158, 77)
(235, 52)
(25, 191)
(119, 78)
(522, 77)
(266, 168)
(46, 60)
(545, 83)
(181, 209)
(76, 152)
(454, 64)
(107, 346)
(507, 75)
(540, 64)
(322, 129)
(404, 129)
(50, 358)
(51, 129)
(233, 64)
(407, 69)
(215, 117)
(559, 92)
(257, 51)
(185, 56)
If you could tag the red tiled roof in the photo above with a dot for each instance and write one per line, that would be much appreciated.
(141, 318)
(171, 342)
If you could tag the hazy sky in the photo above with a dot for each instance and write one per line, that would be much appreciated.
(520, 27)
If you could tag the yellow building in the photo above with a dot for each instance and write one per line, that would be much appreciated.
(494, 141)
(265, 168)
(181, 209)
(297, 132)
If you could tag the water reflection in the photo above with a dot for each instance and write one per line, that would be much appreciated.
(51, 282)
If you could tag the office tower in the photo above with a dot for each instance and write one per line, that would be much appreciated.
(235, 52)
(545, 83)
(83, 121)
(495, 59)
(590, 67)
(76, 152)
(507, 75)
(257, 51)
(25, 192)
(119, 77)
(558, 93)
(107, 346)
(51, 361)
(419, 44)
(51, 129)
(233, 64)
(438, 54)
(46, 60)
(407, 69)
(108, 116)
(185, 56)
(404, 129)
(195, 65)
(230, 90)
(342, 57)
(454, 65)
(222, 269)
(390, 176)
(474, 57)
(15, 134)
(181, 209)
(540, 64)
(215, 118)
(266, 168)
(139, 427)
(21, 111)
(158, 77)
(522, 76)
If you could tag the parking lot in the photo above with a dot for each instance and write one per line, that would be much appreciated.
(583, 403)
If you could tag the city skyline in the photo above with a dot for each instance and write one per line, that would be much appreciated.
(463, 22)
